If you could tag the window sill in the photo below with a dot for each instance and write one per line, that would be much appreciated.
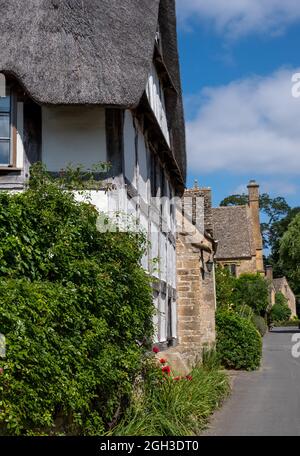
(8, 169)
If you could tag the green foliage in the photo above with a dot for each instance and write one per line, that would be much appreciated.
(290, 253)
(225, 287)
(238, 342)
(280, 312)
(245, 295)
(210, 359)
(280, 299)
(277, 231)
(260, 324)
(288, 323)
(164, 406)
(73, 304)
(252, 290)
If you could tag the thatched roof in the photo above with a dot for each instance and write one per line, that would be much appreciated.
(167, 16)
(90, 52)
(233, 229)
(81, 52)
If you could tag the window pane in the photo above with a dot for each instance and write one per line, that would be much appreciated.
(4, 152)
(4, 126)
(5, 104)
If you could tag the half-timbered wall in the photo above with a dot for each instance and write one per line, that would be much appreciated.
(156, 98)
(84, 135)
(148, 183)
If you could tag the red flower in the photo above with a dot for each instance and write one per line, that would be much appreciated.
(162, 361)
(189, 377)
(177, 378)
(155, 349)
(166, 370)
(1, 370)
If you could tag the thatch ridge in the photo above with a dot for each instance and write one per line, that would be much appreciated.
(88, 52)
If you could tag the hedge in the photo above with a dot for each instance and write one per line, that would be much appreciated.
(260, 324)
(239, 344)
(74, 305)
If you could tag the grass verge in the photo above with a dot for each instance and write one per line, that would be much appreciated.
(168, 406)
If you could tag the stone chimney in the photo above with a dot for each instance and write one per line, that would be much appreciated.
(253, 201)
(269, 273)
(200, 199)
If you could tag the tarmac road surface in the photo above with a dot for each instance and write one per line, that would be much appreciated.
(265, 402)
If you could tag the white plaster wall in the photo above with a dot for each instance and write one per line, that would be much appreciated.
(73, 135)
(144, 227)
(154, 239)
(156, 99)
(163, 257)
(163, 320)
(143, 167)
(20, 135)
(174, 319)
(99, 199)
(129, 149)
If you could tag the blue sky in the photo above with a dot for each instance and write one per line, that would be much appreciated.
(237, 62)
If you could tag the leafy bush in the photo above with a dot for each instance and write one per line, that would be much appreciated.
(225, 286)
(173, 406)
(280, 299)
(280, 311)
(73, 304)
(238, 342)
(289, 323)
(244, 311)
(252, 290)
(260, 324)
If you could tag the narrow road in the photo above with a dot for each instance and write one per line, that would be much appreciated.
(266, 402)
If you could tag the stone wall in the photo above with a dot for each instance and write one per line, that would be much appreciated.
(196, 295)
(195, 301)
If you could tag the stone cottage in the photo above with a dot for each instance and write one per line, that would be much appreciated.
(238, 232)
(281, 285)
(196, 295)
(89, 82)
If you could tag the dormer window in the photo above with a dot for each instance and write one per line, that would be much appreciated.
(7, 129)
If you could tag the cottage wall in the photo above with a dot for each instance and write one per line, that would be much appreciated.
(196, 296)
(73, 135)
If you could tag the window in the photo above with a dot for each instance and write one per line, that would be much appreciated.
(232, 268)
(5, 129)
(8, 132)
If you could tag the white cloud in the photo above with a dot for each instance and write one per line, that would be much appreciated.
(248, 126)
(240, 17)
(273, 187)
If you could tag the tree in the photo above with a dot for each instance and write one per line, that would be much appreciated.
(273, 209)
(289, 253)
(280, 311)
(252, 290)
(277, 231)
(225, 286)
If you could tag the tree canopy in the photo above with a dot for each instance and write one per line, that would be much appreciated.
(289, 253)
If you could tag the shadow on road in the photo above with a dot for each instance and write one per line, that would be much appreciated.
(292, 330)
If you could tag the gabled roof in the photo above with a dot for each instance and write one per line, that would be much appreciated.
(91, 52)
(233, 229)
(280, 283)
